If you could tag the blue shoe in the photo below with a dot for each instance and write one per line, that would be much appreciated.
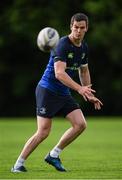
(19, 169)
(56, 162)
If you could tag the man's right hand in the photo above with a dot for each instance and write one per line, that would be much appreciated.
(86, 91)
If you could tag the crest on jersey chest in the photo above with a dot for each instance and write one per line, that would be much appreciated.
(70, 55)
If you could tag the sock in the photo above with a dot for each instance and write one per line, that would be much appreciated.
(55, 152)
(20, 161)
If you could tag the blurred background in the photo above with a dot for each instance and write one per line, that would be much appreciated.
(22, 63)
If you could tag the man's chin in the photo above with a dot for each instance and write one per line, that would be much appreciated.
(79, 38)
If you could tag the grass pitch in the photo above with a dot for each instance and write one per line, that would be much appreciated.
(96, 154)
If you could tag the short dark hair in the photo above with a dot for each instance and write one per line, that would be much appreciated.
(79, 17)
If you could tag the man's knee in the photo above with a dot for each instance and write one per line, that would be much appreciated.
(44, 127)
(81, 126)
(41, 135)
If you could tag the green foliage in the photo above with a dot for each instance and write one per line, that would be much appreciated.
(106, 38)
(22, 64)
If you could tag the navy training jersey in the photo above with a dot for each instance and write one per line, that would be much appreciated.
(73, 56)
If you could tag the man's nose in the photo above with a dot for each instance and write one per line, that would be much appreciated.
(79, 30)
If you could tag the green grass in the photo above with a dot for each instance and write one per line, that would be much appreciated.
(96, 154)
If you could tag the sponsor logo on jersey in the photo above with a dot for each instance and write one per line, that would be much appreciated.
(74, 67)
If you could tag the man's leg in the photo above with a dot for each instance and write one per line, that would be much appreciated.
(78, 123)
(43, 129)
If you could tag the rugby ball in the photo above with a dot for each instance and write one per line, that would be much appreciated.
(47, 39)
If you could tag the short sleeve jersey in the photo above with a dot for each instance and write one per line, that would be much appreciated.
(74, 57)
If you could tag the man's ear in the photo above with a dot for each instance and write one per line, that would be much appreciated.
(86, 28)
(71, 27)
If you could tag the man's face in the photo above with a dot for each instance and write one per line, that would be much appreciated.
(78, 29)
